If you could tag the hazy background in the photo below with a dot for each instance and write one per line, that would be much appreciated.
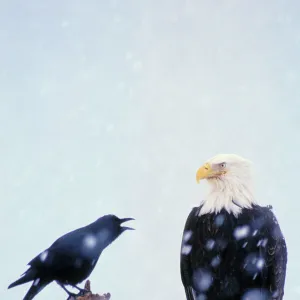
(111, 106)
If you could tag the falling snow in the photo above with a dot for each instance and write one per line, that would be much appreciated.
(254, 263)
(262, 242)
(219, 220)
(256, 294)
(210, 244)
(275, 294)
(187, 235)
(241, 232)
(137, 66)
(260, 263)
(62, 46)
(186, 249)
(201, 297)
(36, 282)
(216, 261)
(44, 256)
(202, 280)
(90, 241)
(65, 24)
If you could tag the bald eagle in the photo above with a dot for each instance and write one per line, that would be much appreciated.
(232, 248)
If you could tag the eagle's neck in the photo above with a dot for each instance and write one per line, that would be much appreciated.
(230, 194)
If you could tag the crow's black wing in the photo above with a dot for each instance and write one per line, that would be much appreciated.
(64, 251)
(68, 239)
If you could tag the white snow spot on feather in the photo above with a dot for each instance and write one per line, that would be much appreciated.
(186, 249)
(275, 294)
(215, 261)
(262, 242)
(210, 244)
(260, 263)
(187, 235)
(241, 232)
(36, 282)
(255, 232)
(90, 241)
(43, 256)
(254, 263)
(219, 220)
(245, 244)
(256, 294)
(202, 280)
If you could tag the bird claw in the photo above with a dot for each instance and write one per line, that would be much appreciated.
(72, 296)
(83, 292)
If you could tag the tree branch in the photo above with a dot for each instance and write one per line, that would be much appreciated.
(90, 295)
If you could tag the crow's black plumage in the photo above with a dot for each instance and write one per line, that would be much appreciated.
(72, 257)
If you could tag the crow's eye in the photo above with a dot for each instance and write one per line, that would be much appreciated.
(223, 165)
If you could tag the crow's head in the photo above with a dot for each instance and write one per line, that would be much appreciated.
(108, 228)
(115, 223)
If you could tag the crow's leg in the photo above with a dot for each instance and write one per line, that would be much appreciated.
(82, 292)
(68, 292)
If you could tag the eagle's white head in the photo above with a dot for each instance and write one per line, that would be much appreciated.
(231, 188)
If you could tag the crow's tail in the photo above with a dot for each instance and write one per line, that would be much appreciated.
(29, 275)
(36, 287)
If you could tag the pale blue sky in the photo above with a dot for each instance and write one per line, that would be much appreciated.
(111, 106)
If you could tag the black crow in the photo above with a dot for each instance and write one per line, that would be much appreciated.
(72, 257)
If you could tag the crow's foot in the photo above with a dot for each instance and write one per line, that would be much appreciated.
(83, 292)
(72, 296)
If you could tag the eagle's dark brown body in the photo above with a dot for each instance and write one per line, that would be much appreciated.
(224, 257)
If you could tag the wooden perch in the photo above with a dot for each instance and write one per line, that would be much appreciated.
(89, 295)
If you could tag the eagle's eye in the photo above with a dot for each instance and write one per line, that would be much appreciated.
(223, 165)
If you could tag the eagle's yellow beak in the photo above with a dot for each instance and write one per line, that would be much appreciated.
(204, 172)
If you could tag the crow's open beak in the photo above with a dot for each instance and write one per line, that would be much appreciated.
(126, 220)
